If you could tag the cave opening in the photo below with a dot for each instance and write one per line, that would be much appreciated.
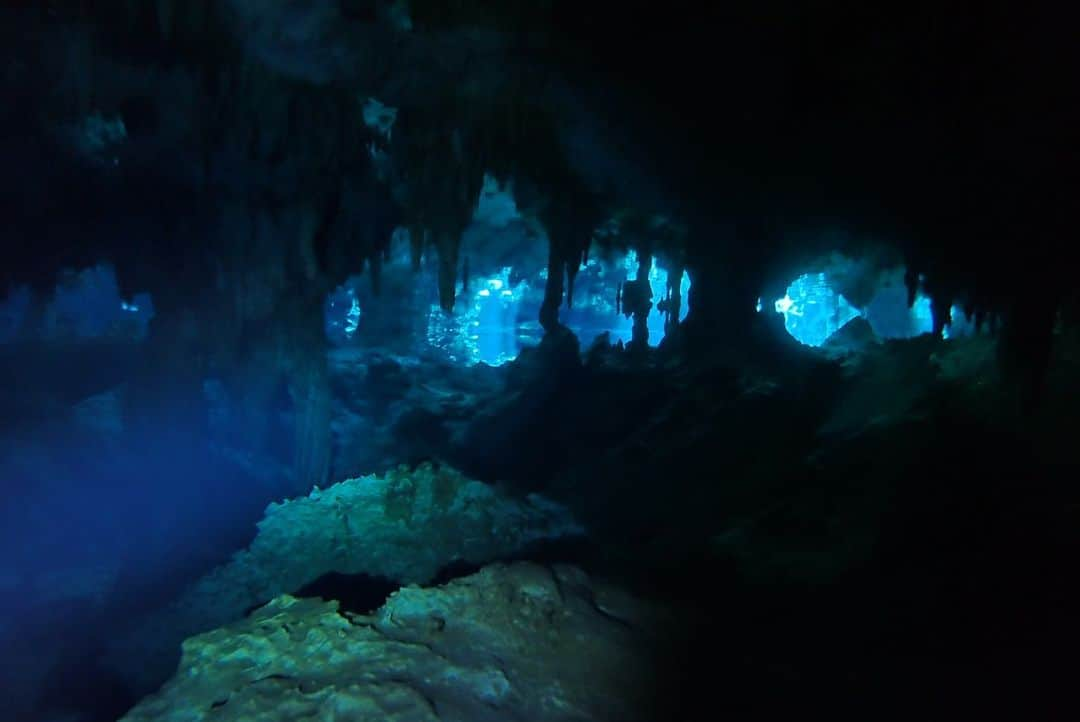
(814, 311)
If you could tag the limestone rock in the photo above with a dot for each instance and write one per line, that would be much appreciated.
(404, 526)
(517, 642)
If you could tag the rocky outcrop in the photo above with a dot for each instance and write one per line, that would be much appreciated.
(519, 642)
(404, 527)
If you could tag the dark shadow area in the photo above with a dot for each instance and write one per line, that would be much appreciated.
(356, 593)
(578, 550)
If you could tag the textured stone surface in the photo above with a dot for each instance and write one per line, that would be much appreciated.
(518, 642)
(404, 526)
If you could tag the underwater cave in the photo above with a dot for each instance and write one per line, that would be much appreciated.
(814, 311)
(475, 361)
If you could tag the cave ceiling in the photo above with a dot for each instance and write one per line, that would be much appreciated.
(295, 136)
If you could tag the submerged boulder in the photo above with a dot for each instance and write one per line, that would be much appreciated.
(517, 642)
(403, 527)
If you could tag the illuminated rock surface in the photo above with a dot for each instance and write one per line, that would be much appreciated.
(520, 642)
(403, 527)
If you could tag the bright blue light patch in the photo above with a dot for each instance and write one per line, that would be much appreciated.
(495, 317)
(962, 325)
(812, 310)
(658, 280)
(922, 316)
(890, 317)
(352, 318)
(594, 309)
(496, 206)
(491, 329)
(342, 313)
(498, 315)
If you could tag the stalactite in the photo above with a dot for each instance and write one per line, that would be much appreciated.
(437, 155)
(911, 283)
(641, 297)
(553, 290)
(941, 312)
(416, 246)
(673, 302)
(571, 274)
(564, 263)
(447, 247)
(569, 218)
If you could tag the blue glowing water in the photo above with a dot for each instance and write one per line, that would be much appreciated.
(500, 318)
(961, 324)
(813, 311)
(890, 317)
(343, 313)
(496, 315)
